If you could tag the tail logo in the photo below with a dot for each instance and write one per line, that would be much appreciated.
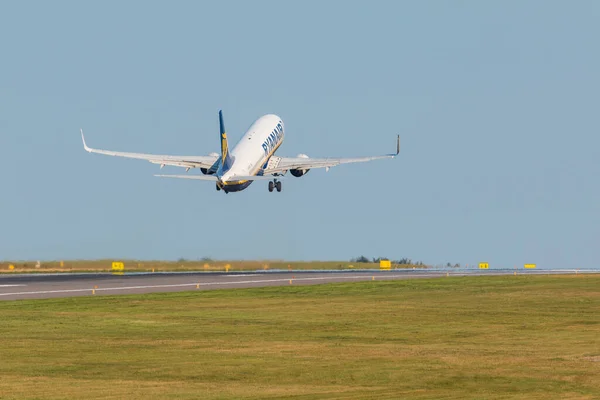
(224, 147)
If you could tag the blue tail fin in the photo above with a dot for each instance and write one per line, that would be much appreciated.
(226, 160)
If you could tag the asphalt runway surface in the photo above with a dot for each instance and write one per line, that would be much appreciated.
(43, 286)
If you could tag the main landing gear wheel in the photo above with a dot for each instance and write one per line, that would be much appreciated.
(274, 184)
(218, 187)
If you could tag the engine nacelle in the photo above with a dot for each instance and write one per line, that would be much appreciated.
(299, 172)
(207, 171)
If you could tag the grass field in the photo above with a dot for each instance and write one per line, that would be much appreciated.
(527, 337)
(164, 266)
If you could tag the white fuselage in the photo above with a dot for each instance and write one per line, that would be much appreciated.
(253, 151)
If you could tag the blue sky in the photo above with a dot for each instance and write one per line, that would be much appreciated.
(496, 104)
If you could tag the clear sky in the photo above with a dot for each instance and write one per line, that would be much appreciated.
(497, 104)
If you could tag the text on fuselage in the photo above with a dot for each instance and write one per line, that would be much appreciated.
(273, 139)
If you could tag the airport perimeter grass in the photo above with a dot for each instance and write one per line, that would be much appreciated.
(528, 337)
(182, 265)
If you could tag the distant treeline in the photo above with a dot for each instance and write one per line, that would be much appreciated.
(402, 261)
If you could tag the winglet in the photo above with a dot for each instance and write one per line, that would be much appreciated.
(398, 146)
(83, 140)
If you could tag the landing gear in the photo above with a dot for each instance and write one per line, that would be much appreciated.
(218, 187)
(274, 184)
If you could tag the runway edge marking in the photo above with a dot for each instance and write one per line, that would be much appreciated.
(187, 284)
(333, 279)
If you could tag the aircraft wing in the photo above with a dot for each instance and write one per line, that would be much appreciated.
(177, 161)
(288, 163)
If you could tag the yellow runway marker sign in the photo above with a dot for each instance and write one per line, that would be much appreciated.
(484, 266)
(118, 268)
(385, 264)
(529, 266)
(11, 267)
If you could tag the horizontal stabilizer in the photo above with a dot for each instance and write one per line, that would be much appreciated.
(213, 178)
(249, 178)
(197, 177)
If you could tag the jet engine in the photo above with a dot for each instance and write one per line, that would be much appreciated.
(299, 172)
(207, 171)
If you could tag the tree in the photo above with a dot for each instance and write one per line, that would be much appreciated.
(361, 259)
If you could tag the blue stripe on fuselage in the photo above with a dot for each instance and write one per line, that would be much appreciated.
(238, 187)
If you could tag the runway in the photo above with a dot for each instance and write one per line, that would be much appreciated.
(43, 286)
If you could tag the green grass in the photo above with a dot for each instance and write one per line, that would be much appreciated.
(527, 337)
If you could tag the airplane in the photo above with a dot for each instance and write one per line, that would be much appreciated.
(252, 159)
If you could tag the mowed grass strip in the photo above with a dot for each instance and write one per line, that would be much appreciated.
(184, 265)
(528, 337)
